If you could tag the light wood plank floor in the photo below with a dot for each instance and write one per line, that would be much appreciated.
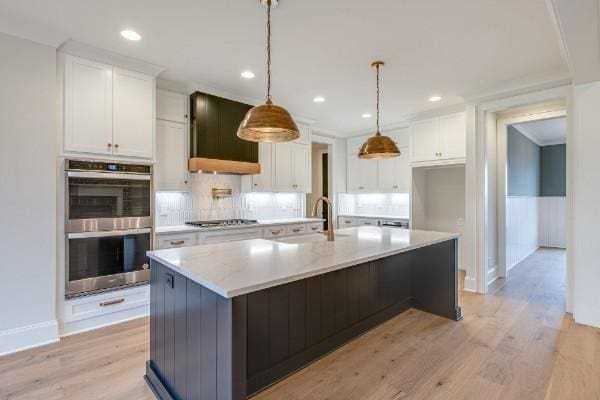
(515, 343)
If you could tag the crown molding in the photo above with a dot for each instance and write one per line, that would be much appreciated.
(104, 56)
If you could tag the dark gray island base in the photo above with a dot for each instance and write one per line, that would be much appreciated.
(205, 346)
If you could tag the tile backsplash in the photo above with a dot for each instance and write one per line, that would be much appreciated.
(176, 208)
(379, 204)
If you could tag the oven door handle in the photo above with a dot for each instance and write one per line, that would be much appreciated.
(108, 175)
(84, 235)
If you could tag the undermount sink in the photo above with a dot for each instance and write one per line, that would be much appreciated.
(314, 237)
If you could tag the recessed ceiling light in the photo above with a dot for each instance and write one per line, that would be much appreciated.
(366, 115)
(131, 35)
(319, 99)
(435, 98)
(247, 74)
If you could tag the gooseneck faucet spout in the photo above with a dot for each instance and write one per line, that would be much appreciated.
(325, 200)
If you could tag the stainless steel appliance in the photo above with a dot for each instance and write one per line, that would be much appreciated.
(222, 222)
(108, 225)
(396, 223)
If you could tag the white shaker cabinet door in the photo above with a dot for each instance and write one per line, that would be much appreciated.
(453, 136)
(284, 167)
(170, 170)
(425, 140)
(263, 182)
(133, 114)
(301, 168)
(88, 106)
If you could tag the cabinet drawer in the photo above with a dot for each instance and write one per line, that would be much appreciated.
(170, 241)
(230, 235)
(294, 230)
(275, 231)
(347, 222)
(314, 227)
(106, 303)
(368, 222)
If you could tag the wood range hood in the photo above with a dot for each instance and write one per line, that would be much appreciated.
(214, 145)
(201, 164)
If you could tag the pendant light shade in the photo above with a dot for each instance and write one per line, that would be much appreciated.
(378, 146)
(268, 122)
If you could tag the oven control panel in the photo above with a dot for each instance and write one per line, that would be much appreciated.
(101, 166)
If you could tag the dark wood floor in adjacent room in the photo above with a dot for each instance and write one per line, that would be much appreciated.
(515, 343)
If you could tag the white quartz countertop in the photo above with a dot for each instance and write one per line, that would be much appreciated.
(236, 268)
(385, 217)
(162, 230)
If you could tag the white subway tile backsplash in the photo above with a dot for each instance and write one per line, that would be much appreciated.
(380, 204)
(176, 208)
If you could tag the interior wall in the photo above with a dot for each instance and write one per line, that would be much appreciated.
(553, 166)
(445, 202)
(523, 165)
(317, 150)
(28, 123)
(586, 195)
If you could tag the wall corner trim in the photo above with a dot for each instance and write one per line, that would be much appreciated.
(470, 284)
(27, 337)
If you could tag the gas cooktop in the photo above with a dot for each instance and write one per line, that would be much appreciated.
(222, 222)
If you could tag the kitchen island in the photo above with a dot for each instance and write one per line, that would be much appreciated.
(230, 319)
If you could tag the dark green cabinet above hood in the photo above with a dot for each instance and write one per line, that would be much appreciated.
(214, 122)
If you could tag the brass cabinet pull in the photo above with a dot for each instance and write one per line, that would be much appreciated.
(395, 187)
(176, 242)
(275, 232)
(347, 222)
(109, 145)
(314, 228)
(296, 230)
(111, 302)
(116, 146)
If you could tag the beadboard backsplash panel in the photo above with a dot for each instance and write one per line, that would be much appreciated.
(176, 208)
(379, 204)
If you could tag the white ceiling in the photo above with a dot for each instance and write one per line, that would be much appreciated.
(545, 131)
(453, 48)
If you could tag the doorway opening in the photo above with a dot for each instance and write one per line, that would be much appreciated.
(321, 177)
(530, 213)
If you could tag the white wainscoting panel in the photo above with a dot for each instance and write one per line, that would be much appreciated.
(552, 222)
(522, 224)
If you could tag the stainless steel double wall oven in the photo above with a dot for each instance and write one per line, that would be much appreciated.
(108, 225)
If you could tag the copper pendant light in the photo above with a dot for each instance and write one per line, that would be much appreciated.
(268, 122)
(379, 146)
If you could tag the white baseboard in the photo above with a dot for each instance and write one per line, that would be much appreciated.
(73, 327)
(27, 337)
(522, 258)
(492, 275)
(470, 284)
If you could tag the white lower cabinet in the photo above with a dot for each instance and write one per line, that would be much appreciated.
(176, 240)
(94, 311)
(347, 222)
(229, 235)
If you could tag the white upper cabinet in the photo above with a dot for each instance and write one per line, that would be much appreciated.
(453, 136)
(133, 114)
(393, 173)
(425, 141)
(170, 170)
(285, 167)
(390, 175)
(171, 106)
(88, 106)
(439, 140)
(301, 168)
(108, 110)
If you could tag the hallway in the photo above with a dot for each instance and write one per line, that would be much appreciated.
(514, 343)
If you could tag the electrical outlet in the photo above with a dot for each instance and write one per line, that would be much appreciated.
(460, 222)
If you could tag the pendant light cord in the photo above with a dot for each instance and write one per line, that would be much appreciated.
(377, 67)
(268, 51)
